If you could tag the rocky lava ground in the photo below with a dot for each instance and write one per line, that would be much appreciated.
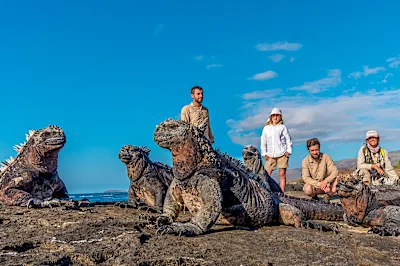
(107, 235)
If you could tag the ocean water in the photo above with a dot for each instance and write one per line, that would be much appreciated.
(101, 197)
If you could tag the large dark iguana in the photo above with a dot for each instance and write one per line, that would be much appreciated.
(317, 210)
(149, 180)
(31, 178)
(211, 184)
(372, 206)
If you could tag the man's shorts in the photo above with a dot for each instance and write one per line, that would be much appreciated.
(282, 162)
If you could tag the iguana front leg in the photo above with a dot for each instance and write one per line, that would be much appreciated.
(173, 204)
(14, 196)
(203, 219)
(132, 201)
(60, 190)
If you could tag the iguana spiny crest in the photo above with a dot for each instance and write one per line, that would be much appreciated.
(37, 148)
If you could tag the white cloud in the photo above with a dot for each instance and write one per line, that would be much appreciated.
(214, 65)
(269, 74)
(366, 72)
(279, 46)
(316, 86)
(394, 61)
(347, 120)
(159, 29)
(291, 59)
(255, 95)
(386, 77)
(199, 57)
(355, 75)
(277, 57)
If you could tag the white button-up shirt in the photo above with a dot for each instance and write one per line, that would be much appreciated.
(275, 141)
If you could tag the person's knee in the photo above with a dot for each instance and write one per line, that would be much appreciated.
(308, 190)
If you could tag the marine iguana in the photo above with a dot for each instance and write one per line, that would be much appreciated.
(252, 160)
(31, 178)
(372, 206)
(211, 184)
(315, 209)
(149, 180)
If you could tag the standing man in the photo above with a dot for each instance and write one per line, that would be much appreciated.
(197, 114)
(319, 172)
(373, 162)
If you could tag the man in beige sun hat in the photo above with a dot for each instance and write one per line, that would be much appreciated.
(373, 162)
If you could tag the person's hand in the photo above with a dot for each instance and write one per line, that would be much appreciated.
(323, 184)
(266, 157)
(378, 169)
(287, 154)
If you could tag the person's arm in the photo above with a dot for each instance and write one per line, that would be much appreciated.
(305, 174)
(331, 169)
(185, 116)
(361, 164)
(263, 146)
(389, 169)
(288, 139)
(209, 128)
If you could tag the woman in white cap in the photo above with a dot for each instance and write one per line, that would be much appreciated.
(373, 163)
(276, 145)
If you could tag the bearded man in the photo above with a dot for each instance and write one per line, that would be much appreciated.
(319, 172)
(196, 113)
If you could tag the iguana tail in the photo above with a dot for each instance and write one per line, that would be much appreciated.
(314, 209)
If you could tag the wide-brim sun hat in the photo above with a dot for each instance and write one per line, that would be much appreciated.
(276, 111)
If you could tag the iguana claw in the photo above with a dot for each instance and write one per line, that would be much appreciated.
(124, 205)
(176, 229)
(320, 226)
(150, 209)
(34, 203)
(47, 203)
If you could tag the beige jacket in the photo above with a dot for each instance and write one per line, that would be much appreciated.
(389, 169)
(197, 116)
(314, 172)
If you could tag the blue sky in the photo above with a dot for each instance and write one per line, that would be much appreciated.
(109, 72)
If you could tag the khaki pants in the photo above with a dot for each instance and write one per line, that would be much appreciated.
(282, 162)
(367, 178)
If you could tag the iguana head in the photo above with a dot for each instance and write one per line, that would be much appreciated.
(48, 139)
(354, 195)
(135, 158)
(190, 149)
(252, 158)
(43, 147)
(40, 150)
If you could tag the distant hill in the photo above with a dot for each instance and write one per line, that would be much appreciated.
(114, 190)
(295, 173)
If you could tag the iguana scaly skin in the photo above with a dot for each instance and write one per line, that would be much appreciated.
(31, 177)
(312, 209)
(252, 159)
(211, 184)
(149, 180)
(372, 206)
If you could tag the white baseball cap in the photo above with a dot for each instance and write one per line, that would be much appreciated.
(276, 111)
(371, 133)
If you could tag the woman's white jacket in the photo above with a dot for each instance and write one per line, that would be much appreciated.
(275, 141)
